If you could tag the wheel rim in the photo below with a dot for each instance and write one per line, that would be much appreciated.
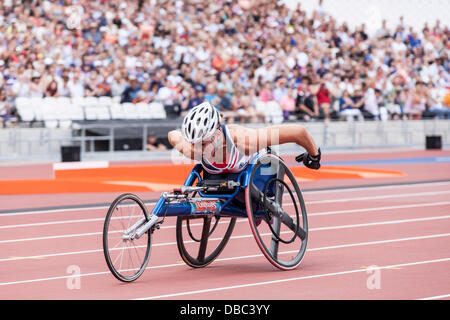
(269, 217)
(283, 256)
(197, 244)
(193, 244)
(126, 258)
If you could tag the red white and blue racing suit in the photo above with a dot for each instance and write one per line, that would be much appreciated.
(235, 161)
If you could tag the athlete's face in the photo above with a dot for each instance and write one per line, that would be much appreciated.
(209, 147)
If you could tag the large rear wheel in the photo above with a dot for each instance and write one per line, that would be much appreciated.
(200, 239)
(276, 212)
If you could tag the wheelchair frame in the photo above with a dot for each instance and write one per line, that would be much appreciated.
(217, 198)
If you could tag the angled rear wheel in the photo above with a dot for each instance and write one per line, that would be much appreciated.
(200, 239)
(276, 212)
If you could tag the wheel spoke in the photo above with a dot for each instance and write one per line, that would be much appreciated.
(265, 198)
(204, 240)
(290, 223)
(125, 261)
(276, 225)
(199, 258)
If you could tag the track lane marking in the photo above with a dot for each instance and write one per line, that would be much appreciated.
(311, 229)
(403, 195)
(436, 297)
(50, 255)
(237, 258)
(246, 285)
(150, 202)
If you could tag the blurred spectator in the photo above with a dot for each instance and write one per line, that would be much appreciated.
(144, 94)
(306, 106)
(324, 99)
(267, 71)
(281, 89)
(193, 98)
(63, 87)
(441, 103)
(370, 109)
(36, 86)
(153, 143)
(118, 84)
(349, 109)
(76, 85)
(131, 89)
(92, 34)
(52, 89)
(358, 99)
(415, 101)
(112, 48)
(446, 100)
(287, 103)
(167, 95)
(211, 95)
(7, 112)
(225, 106)
(266, 93)
(243, 109)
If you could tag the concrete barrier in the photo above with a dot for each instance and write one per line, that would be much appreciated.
(44, 144)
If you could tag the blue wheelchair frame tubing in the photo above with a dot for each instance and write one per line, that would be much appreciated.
(184, 209)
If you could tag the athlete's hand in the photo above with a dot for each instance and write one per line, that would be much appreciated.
(312, 162)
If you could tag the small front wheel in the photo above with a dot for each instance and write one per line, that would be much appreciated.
(126, 255)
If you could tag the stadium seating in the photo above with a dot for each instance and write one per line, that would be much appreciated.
(62, 111)
(25, 109)
(117, 112)
(157, 110)
(272, 110)
(130, 110)
(143, 111)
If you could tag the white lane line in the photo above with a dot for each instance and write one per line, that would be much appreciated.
(289, 204)
(55, 211)
(52, 237)
(380, 223)
(254, 284)
(436, 297)
(50, 255)
(80, 165)
(388, 196)
(314, 214)
(417, 205)
(303, 192)
(38, 224)
(232, 258)
(362, 188)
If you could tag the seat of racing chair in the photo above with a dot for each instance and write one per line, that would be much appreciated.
(220, 181)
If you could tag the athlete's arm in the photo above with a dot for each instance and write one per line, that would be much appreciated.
(250, 140)
(187, 149)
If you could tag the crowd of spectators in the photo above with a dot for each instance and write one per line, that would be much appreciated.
(232, 53)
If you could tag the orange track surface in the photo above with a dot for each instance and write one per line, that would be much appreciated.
(156, 178)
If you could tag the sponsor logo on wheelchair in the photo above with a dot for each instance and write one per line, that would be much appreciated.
(205, 206)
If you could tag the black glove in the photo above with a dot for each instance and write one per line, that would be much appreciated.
(312, 162)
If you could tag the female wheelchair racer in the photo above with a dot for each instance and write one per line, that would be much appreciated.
(238, 176)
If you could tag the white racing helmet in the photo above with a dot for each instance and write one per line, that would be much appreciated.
(200, 123)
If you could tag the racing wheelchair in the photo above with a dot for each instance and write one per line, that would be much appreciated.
(207, 208)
